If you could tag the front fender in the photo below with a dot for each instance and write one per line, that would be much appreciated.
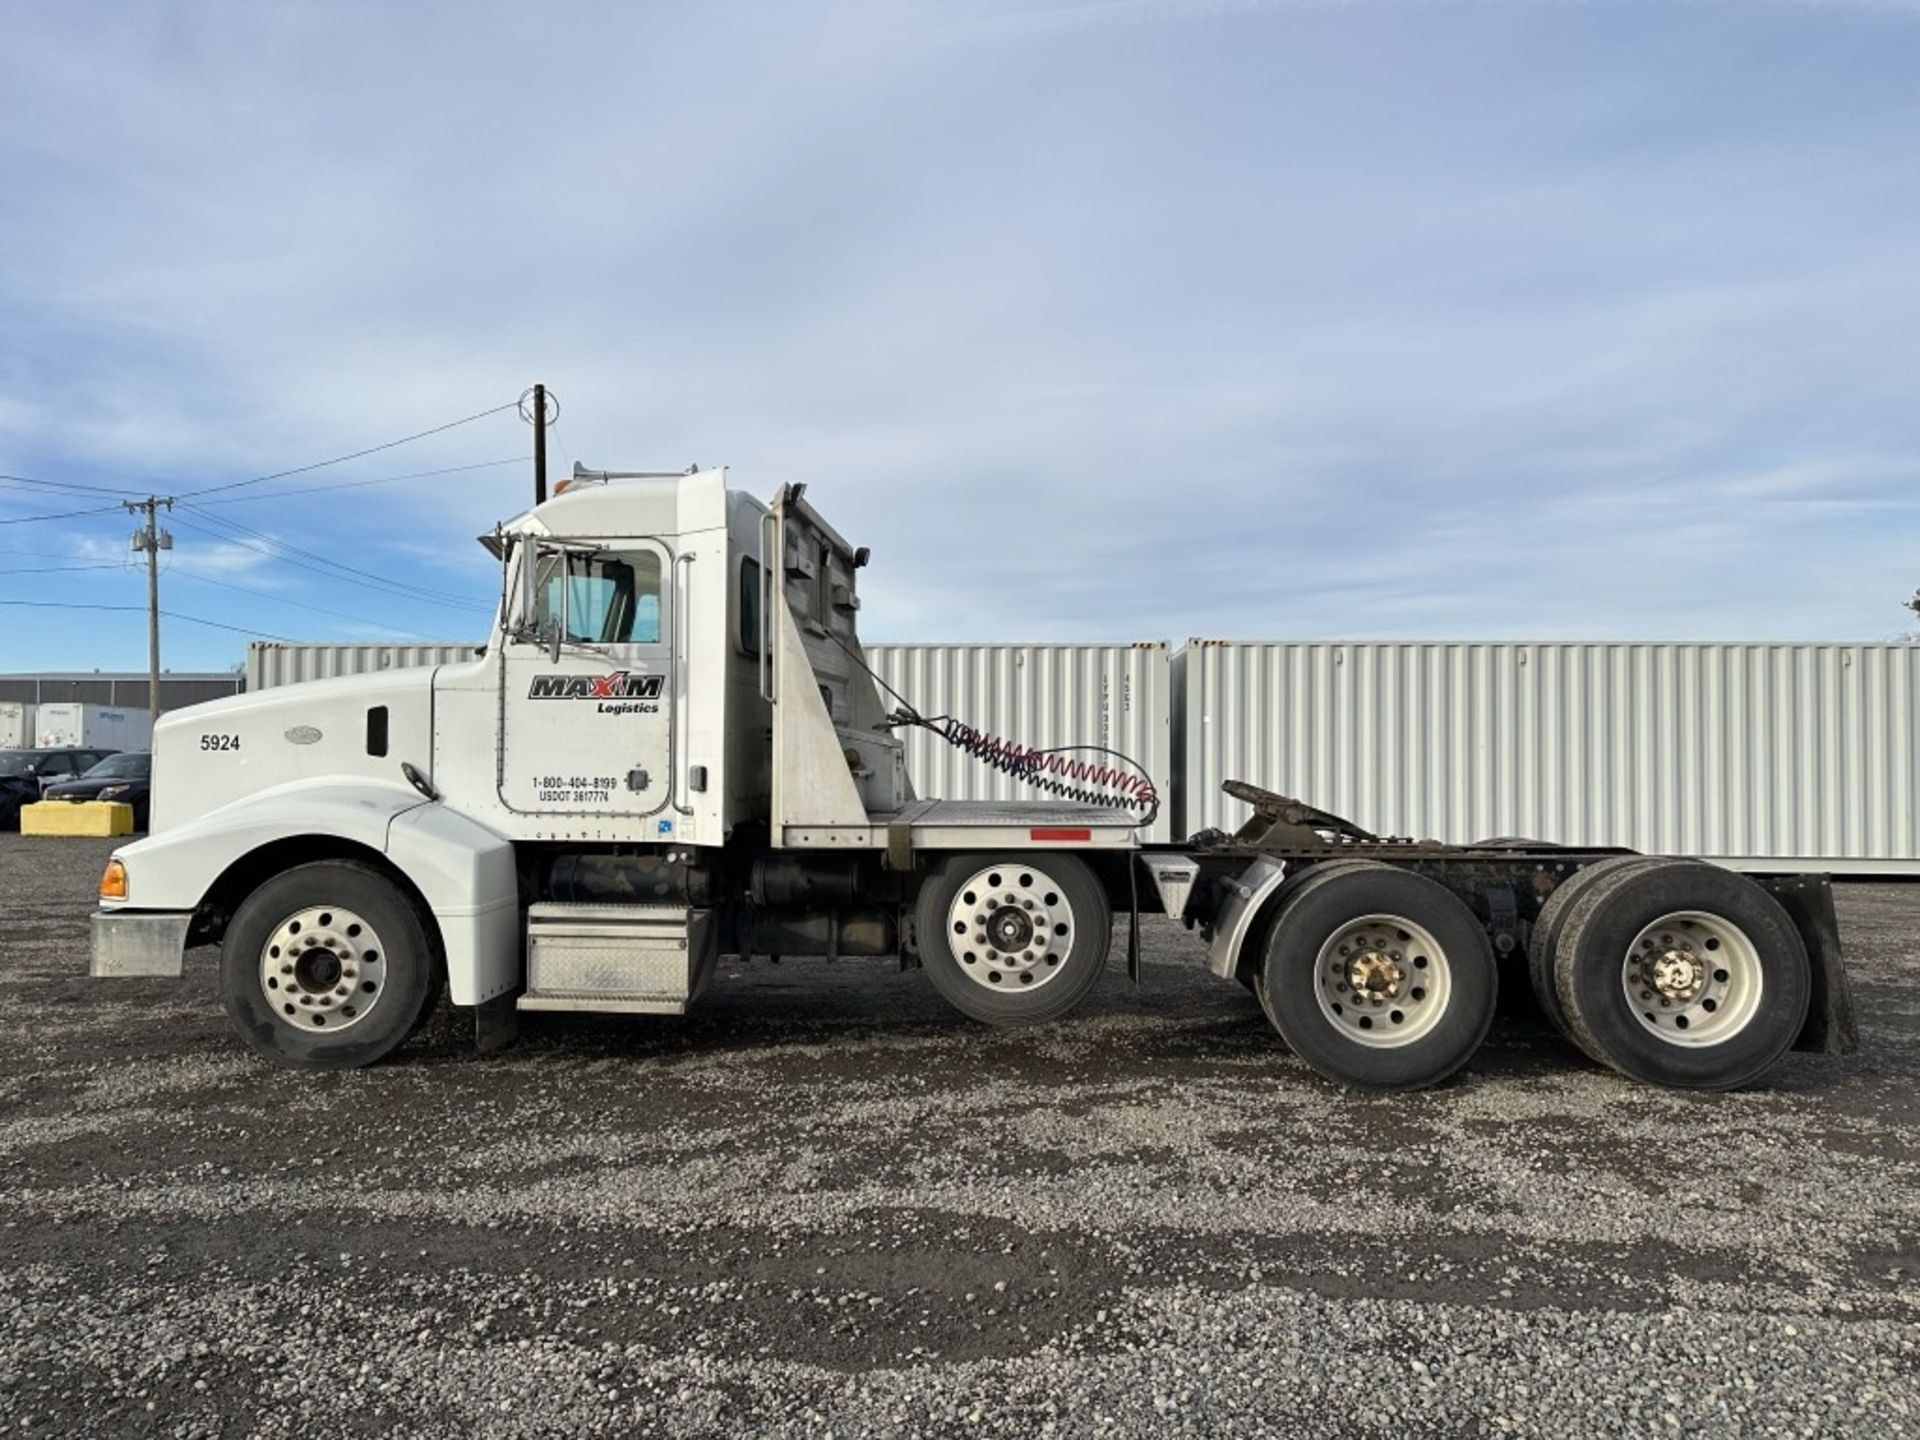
(463, 871)
(467, 876)
(174, 869)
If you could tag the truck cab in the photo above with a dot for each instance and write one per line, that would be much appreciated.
(670, 748)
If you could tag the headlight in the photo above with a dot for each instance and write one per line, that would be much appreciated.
(107, 792)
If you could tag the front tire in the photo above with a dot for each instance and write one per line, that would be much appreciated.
(1013, 939)
(328, 966)
(1380, 979)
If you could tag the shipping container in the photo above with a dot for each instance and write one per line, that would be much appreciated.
(119, 689)
(1761, 756)
(16, 724)
(1114, 696)
(70, 723)
(273, 662)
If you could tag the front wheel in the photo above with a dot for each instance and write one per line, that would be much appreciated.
(327, 966)
(1013, 939)
(1380, 979)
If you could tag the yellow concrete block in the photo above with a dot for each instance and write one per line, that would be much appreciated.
(66, 817)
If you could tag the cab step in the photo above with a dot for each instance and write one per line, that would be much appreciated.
(619, 959)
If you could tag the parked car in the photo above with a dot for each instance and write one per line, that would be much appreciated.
(124, 779)
(25, 775)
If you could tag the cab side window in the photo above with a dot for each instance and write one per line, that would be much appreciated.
(750, 608)
(599, 597)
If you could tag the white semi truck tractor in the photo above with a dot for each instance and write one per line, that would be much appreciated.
(672, 748)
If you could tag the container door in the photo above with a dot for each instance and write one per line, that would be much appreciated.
(586, 703)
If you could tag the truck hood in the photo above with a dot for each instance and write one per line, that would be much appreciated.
(209, 755)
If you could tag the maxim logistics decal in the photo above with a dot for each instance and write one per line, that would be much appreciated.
(641, 693)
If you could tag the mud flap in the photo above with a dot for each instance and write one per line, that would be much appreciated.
(1133, 923)
(496, 1024)
(1832, 1027)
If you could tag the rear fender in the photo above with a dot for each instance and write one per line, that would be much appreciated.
(1247, 895)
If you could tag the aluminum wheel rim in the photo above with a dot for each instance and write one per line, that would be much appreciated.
(1382, 981)
(323, 969)
(1010, 927)
(1693, 978)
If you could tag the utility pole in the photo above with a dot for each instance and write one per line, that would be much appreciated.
(539, 407)
(153, 540)
(539, 444)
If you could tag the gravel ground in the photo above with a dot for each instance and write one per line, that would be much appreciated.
(824, 1204)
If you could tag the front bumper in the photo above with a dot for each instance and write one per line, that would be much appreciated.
(139, 943)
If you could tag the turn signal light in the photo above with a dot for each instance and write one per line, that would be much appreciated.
(113, 883)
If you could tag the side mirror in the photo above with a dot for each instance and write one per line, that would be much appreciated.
(552, 637)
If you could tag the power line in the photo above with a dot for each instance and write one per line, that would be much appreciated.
(356, 455)
(297, 604)
(58, 515)
(320, 565)
(238, 534)
(31, 481)
(141, 609)
(60, 569)
(25, 480)
(357, 484)
(209, 580)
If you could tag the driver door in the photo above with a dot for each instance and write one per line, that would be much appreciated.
(586, 703)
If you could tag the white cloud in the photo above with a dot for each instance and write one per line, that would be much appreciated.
(1301, 320)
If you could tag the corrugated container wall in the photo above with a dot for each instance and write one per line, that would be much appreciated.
(1772, 756)
(1116, 696)
(272, 662)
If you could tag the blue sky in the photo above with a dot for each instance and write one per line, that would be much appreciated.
(1095, 320)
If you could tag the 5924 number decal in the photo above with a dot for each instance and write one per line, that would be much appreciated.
(219, 742)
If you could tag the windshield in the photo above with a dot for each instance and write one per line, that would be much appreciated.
(120, 767)
(17, 762)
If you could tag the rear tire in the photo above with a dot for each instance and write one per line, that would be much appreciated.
(1013, 939)
(1380, 979)
(1253, 965)
(1551, 924)
(328, 966)
(1683, 974)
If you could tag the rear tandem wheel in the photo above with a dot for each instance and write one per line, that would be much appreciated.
(1682, 973)
(1550, 924)
(1379, 978)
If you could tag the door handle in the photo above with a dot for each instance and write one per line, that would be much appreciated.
(638, 780)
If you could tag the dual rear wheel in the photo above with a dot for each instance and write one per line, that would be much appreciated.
(1673, 972)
